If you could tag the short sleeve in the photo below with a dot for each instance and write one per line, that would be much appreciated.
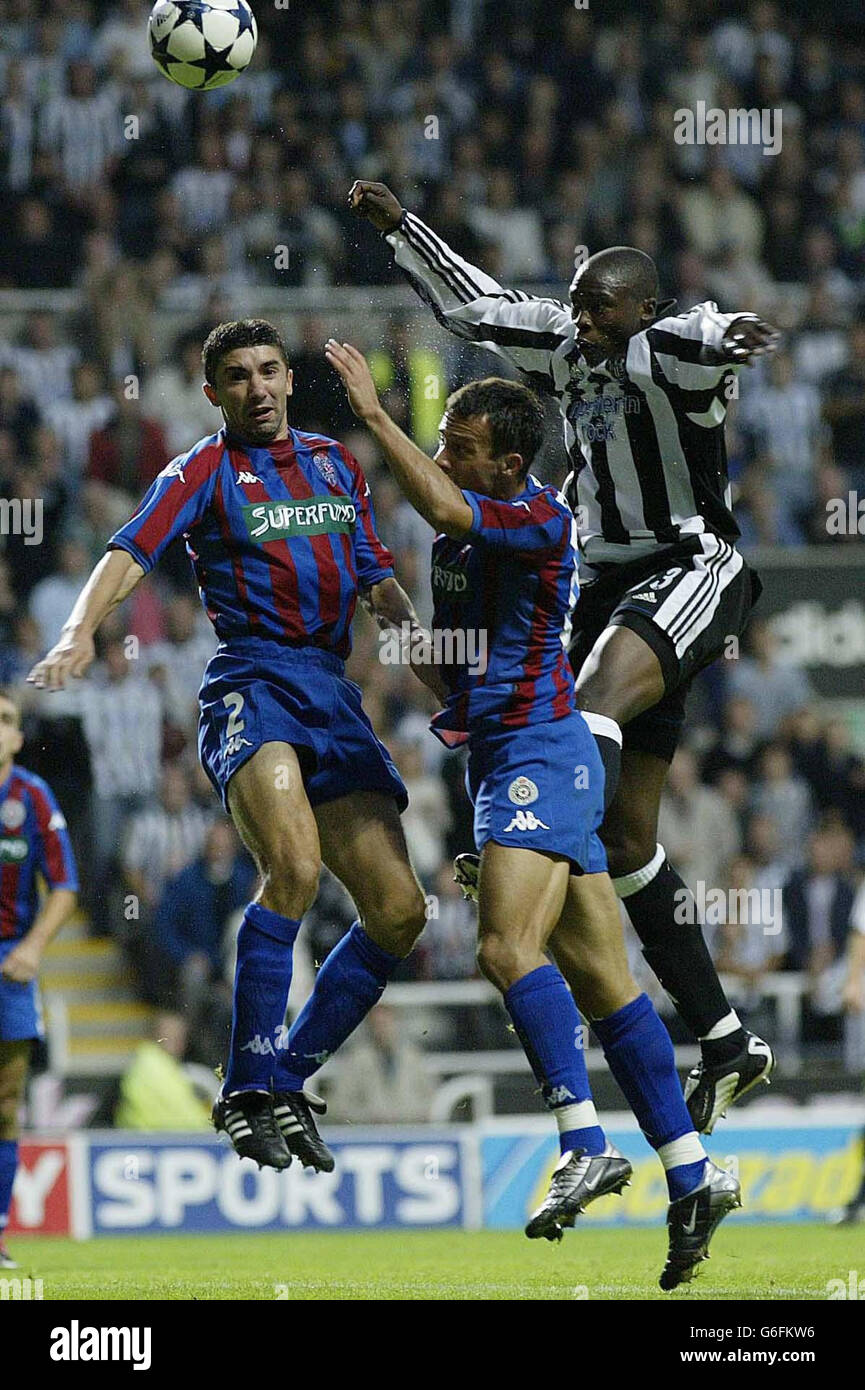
(54, 852)
(526, 525)
(175, 501)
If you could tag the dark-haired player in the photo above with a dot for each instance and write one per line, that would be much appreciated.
(280, 529)
(643, 393)
(504, 565)
(33, 842)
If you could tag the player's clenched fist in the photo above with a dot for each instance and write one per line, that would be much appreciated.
(71, 656)
(376, 202)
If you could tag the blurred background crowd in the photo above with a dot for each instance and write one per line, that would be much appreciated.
(136, 215)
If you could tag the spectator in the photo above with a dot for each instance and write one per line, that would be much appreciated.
(53, 598)
(780, 794)
(696, 826)
(774, 689)
(162, 840)
(818, 901)
(185, 956)
(157, 1092)
(844, 410)
(128, 452)
(174, 396)
(381, 1077)
(74, 421)
(177, 664)
(122, 716)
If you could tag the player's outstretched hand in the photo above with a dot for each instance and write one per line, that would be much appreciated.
(375, 202)
(746, 339)
(354, 370)
(71, 656)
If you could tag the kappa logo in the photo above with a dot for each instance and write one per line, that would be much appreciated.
(263, 1047)
(526, 820)
(235, 743)
(57, 821)
(247, 478)
(559, 1095)
(523, 791)
(175, 469)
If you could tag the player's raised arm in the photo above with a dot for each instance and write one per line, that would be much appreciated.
(464, 299)
(430, 491)
(112, 580)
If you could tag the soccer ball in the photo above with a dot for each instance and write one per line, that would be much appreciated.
(202, 43)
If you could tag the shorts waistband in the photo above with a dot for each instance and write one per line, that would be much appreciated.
(293, 656)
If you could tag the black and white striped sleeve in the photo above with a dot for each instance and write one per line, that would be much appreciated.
(687, 349)
(474, 306)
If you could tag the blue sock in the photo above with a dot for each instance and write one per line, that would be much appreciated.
(349, 983)
(262, 980)
(640, 1055)
(548, 1026)
(8, 1169)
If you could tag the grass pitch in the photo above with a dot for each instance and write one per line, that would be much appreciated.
(748, 1262)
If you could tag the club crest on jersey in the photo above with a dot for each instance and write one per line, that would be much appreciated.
(325, 467)
(523, 791)
(174, 469)
(12, 813)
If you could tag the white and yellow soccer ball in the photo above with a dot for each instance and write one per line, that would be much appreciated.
(202, 43)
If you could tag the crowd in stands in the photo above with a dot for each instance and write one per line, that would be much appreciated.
(520, 131)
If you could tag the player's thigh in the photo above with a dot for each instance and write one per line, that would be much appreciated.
(521, 895)
(363, 844)
(630, 826)
(14, 1064)
(620, 677)
(588, 946)
(270, 809)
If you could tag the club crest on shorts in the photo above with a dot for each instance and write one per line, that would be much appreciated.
(326, 469)
(522, 791)
(12, 813)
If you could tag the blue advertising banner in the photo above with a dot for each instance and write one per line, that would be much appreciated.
(143, 1183)
(788, 1172)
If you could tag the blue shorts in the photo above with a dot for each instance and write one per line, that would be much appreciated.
(20, 1006)
(257, 691)
(540, 788)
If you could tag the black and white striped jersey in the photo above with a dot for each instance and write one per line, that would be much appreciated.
(644, 433)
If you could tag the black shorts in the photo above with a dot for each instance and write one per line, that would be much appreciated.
(686, 602)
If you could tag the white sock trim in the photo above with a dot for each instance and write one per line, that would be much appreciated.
(581, 1115)
(632, 883)
(602, 726)
(686, 1149)
(726, 1025)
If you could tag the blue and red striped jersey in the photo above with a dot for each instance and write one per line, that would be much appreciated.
(281, 537)
(509, 585)
(33, 840)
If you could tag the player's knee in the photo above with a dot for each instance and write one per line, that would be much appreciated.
(501, 961)
(628, 853)
(399, 919)
(290, 882)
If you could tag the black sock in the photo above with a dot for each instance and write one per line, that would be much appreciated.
(608, 737)
(664, 916)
